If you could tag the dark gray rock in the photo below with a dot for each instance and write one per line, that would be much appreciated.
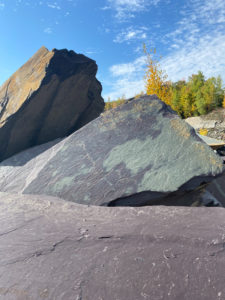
(217, 189)
(139, 153)
(53, 249)
(49, 97)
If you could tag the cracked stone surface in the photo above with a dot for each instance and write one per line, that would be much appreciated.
(55, 249)
(53, 94)
(137, 154)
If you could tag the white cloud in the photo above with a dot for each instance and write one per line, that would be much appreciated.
(128, 69)
(131, 34)
(54, 6)
(127, 79)
(125, 87)
(105, 8)
(126, 9)
(48, 30)
(208, 56)
(211, 12)
(122, 69)
(196, 43)
(2, 6)
(198, 18)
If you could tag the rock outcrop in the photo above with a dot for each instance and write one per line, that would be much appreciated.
(53, 249)
(214, 122)
(49, 97)
(139, 153)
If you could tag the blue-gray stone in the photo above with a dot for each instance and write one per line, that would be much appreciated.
(135, 154)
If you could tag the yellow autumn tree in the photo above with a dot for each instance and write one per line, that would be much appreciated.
(224, 101)
(113, 104)
(156, 79)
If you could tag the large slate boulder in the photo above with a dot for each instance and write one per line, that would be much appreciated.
(137, 154)
(49, 97)
(53, 249)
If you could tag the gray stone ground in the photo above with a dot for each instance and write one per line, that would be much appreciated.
(57, 250)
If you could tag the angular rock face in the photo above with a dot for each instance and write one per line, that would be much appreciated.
(217, 189)
(50, 96)
(137, 154)
(53, 249)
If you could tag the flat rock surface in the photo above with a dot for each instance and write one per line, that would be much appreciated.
(211, 141)
(214, 122)
(53, 249)
(199, 122)
(51, 95)
(131, 155)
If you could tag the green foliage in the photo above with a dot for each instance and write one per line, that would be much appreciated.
(119, 101)
(197, 96)
(194, 97)
(113, 104)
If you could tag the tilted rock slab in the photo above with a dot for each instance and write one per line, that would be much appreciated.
(49, 97)
(53, 249)
(135, 154)
(199, 122)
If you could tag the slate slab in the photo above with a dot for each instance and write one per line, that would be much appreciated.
(136, 154)
(213, 143)
(53, 249)
(53, 94)
(217, 188)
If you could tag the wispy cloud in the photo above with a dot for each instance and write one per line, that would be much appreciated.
(197, 43)
(48, 30)
(129, 68)
(196, 23)
(126, 9)
(127, 79)
(131, 34)
(208, 56)
(53, 5)
(2, 5)
(92, 51)
(198, 40)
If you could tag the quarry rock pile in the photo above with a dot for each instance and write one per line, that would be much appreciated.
(214, 122)
(97, 205)
(53, 94)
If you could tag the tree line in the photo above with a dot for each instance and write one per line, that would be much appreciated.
(194, 97)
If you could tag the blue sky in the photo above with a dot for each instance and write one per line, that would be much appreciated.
(189, 34)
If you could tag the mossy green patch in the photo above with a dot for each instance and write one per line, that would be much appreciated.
(134, 154)
(62, 183)
(54, 173)
(86, 198)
